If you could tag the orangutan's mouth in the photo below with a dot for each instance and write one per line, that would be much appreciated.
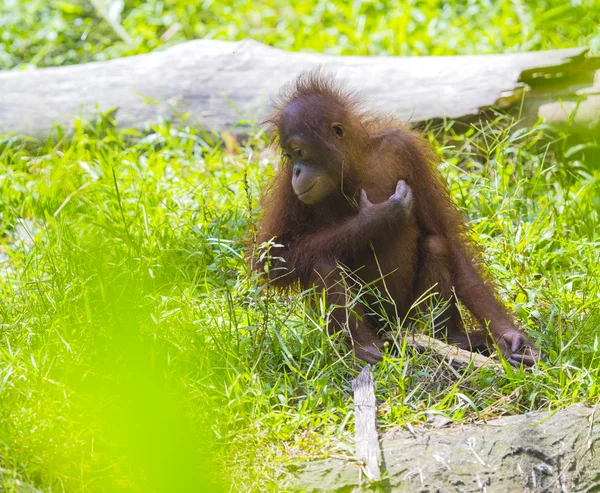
(308, 189)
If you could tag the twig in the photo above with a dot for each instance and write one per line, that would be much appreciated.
(454, 355)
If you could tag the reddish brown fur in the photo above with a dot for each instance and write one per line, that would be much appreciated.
(428, 247)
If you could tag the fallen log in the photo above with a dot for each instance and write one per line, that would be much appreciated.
(227, 86)
(536, 452)
(365, 430)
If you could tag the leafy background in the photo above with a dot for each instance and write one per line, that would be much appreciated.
(60, 32)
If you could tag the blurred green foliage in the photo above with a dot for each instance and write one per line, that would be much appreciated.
(59, 32)
(97, 362)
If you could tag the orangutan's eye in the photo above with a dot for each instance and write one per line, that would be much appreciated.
(298, 152)
(286, 156)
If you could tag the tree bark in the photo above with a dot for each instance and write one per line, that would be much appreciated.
(537, 452)
(224, 85)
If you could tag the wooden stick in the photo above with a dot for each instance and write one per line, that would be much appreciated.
(365, 429)
(454, 355)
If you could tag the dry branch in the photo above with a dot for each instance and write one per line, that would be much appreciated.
(365, 431)
(454, 355)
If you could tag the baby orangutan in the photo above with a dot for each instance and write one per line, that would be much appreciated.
(362, 191)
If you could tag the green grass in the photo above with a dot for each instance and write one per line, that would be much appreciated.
(127, 258)
(137, 351)
(59, 32)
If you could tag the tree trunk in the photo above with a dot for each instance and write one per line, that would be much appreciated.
(223, 85)
(537, 452)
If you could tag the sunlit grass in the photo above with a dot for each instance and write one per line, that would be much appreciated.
(131, 324)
